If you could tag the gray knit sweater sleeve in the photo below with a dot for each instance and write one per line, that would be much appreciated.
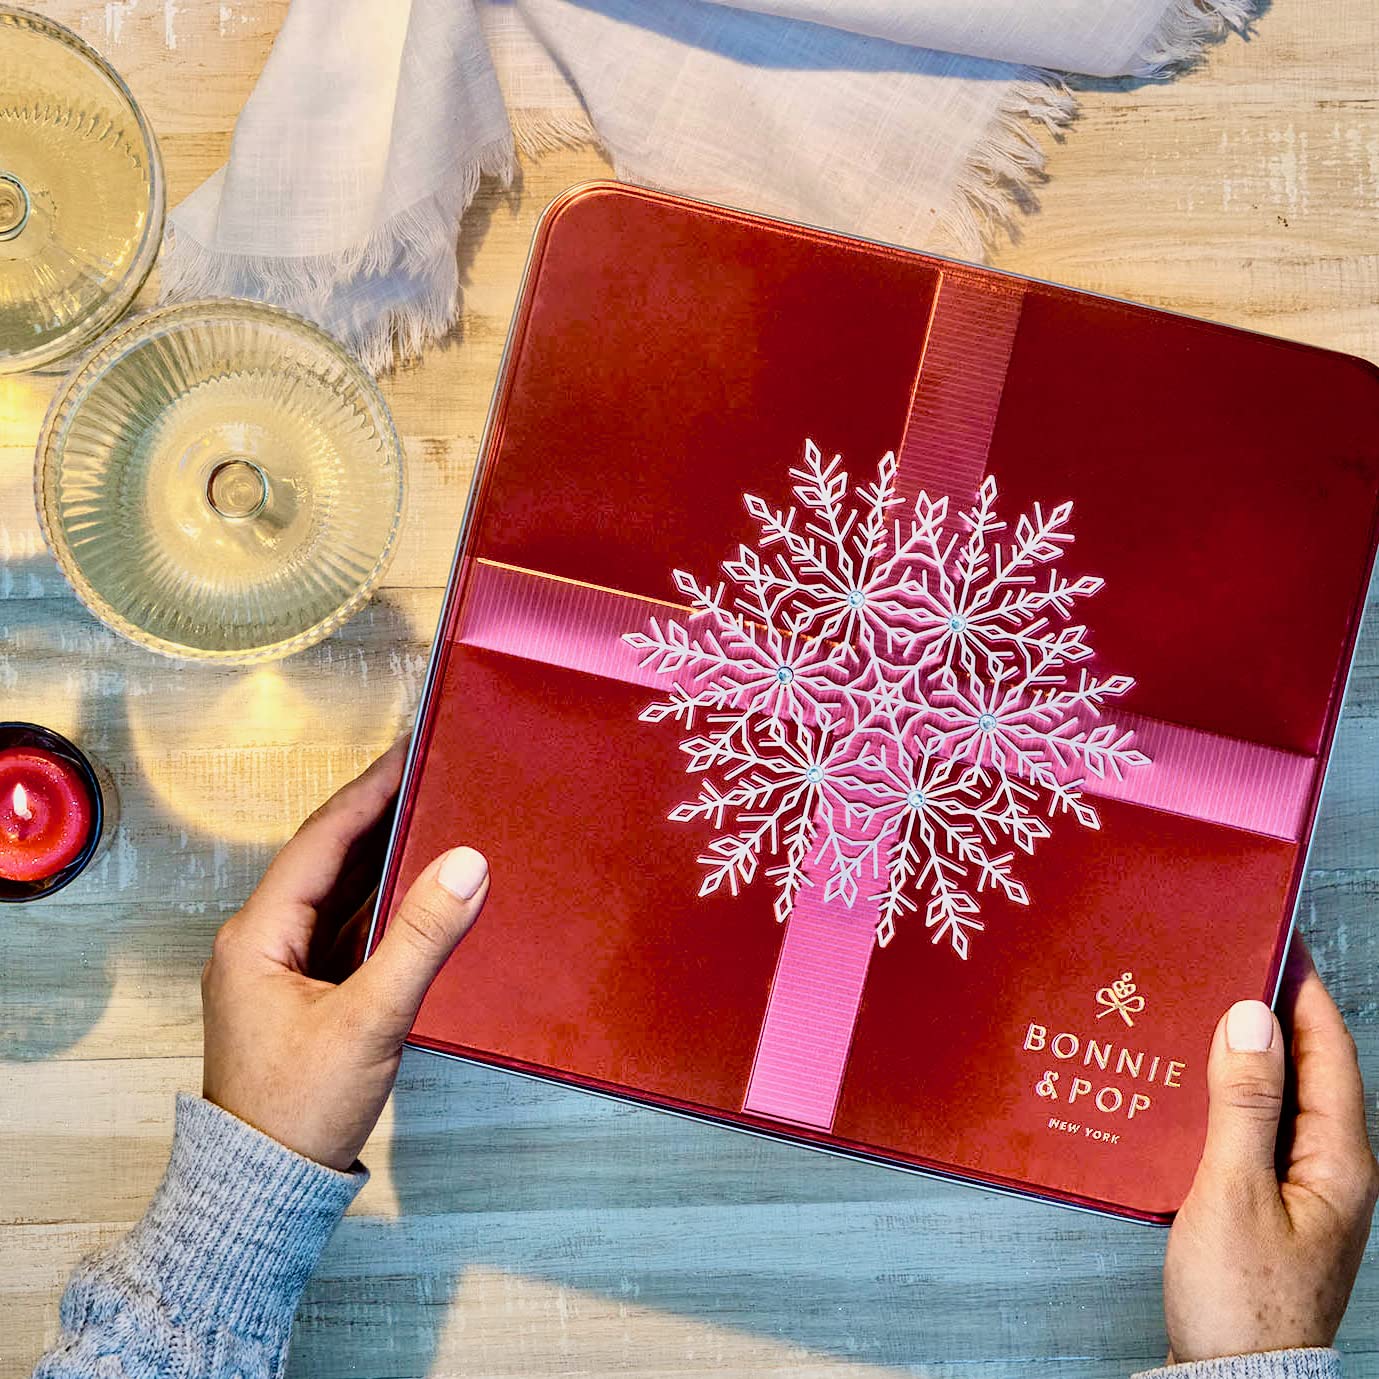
(206, 1285)
(1269, 1364)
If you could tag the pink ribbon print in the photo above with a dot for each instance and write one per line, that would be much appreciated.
(887, 704)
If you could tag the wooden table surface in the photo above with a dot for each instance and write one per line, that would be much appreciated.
(517, 1229)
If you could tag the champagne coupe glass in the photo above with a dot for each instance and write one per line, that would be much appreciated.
(220, 480)
(81, 192)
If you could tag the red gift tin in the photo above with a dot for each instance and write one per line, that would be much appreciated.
(928, 803)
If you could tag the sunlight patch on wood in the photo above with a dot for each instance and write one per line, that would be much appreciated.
(505, 1324)
(248, 766)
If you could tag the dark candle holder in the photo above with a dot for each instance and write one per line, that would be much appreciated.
(33, 735)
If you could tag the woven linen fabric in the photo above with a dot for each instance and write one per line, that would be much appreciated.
(363, 143)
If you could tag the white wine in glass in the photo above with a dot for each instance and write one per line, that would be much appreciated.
(81, 193)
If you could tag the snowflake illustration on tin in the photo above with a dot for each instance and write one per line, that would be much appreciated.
(889, 705)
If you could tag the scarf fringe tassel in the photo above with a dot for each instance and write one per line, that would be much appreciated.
(1001, 175)
(1187, 28)
(417, 243)
(996, 186)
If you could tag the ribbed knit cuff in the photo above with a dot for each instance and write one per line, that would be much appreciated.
(1267, 1364)
(237, 1225)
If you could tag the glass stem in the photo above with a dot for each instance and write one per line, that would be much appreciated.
(14, 206)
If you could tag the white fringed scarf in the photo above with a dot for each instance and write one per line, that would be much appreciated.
(911, 121)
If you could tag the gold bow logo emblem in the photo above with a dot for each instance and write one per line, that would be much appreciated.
(1120, 999)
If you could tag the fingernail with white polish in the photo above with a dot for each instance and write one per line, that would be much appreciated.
(462, 872)
(1249, 1027)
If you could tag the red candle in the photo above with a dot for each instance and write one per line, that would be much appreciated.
(45, 814)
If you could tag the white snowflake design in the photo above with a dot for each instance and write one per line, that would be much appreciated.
(892, 705)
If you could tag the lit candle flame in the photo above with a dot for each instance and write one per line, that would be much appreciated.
(20, 800)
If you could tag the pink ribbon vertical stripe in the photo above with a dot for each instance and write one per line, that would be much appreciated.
(807, 1034)
(817, 990)
(958, 391)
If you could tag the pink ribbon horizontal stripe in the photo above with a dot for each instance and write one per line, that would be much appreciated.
(558, 621)
(807, 1034)
(1220, 780)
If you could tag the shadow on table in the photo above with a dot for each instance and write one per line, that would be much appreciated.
(54, 960)
(537, 1224)
(756, 40)
(214, 767)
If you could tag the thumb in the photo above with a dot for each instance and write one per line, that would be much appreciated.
(1245, 1085)
(435, 914)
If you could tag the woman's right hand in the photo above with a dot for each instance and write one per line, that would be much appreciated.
(1264, 1252)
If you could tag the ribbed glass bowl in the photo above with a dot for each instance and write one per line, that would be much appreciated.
(81, 192)
(220, 480)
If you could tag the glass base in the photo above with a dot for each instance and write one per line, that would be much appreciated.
(221, 480)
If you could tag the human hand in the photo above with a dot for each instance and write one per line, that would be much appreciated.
(1264, 1252)
(289, 1051)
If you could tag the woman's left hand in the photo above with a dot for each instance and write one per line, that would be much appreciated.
(288, 1050)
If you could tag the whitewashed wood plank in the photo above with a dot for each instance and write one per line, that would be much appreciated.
(575, 1237)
